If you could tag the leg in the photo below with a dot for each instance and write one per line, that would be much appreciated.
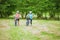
(31, 21)
(18, 22)
(15, 22)
(27, 23)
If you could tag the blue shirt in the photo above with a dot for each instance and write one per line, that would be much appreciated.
(31, 16)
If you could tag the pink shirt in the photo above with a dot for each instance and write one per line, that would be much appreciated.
(17, 16)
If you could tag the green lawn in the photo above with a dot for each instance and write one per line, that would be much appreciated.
(40, 30)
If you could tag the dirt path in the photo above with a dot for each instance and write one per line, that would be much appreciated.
(4, 25)
(36, 28)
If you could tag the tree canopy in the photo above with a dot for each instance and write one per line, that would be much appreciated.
(39, 7)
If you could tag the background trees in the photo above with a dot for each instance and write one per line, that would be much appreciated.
(6, 7)
(42, 8)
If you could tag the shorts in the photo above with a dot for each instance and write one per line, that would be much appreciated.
(17, 20)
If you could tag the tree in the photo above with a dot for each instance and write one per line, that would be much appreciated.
(6, 7)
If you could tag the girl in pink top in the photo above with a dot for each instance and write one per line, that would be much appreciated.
(17, 17)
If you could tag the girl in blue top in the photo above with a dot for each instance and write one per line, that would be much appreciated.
(29, 17)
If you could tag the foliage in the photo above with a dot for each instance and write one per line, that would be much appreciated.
(39, 7)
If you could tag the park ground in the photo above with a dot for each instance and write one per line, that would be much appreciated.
(40, 30)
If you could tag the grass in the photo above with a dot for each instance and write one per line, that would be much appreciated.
(54, 27)
(23, 32)
(49, 36)
(19, 34)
